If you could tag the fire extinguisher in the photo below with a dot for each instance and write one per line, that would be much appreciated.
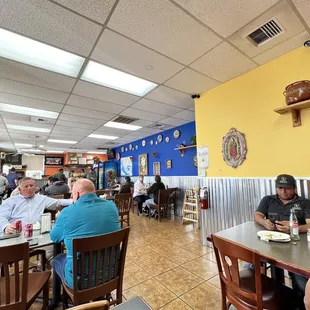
(204, 193)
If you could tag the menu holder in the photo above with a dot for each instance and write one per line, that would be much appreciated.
(46, 223)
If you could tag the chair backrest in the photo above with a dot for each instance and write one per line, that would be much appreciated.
(11, 286)
(227, 256)
(132, 189)
(98, 262)
(163, 197)
(123, 202)
(172, 194)
(57, 196)
(98, 305)
(100, 192)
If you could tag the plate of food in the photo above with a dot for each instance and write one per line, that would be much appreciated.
(273, 236)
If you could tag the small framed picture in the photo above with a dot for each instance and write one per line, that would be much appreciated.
(169, 164)
(156, 168)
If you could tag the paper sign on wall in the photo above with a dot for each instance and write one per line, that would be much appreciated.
(203, 157)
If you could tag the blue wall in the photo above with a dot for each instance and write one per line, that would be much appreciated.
(180, 165)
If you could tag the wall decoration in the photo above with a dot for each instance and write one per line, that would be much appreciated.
(53, 161)
(176, 134)
(156, 168)
(234, 148)
(143, 164)
(122, 149)
(143, 143)
(159, 138)
(155, 155)
(167, 139)
(203, 157)
(130, 147)
(118, 156)
(126, 149)
(156, 142)
(137, 147)
(151, 142)
(169, 164)
(73, 156)
(126, 166)
(195, 161)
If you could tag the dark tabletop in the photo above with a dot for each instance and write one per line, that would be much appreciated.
(133, 304)
(295, 258)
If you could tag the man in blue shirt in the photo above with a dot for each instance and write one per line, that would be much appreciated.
(12, 178)
(88, 216)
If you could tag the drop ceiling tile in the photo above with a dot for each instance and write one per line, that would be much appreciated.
(163, 27)
(282, 48)
(150, 105)
(93, 104)
(288, 20)
(70, 136)
(20, 72)
(26, 136)
(142, 122)
(104, 93)
(6, 145)
(192, 108)
(191, 82)
(226, 16)
(75, 124)
(97, 10)
(27, 123)
(149, 116)
(47, 22)
(149, 130)
(64, 129)
(80, 119)
(186, 115)
(31, 91)
(171, 96)
(303, 6)
(173, 121)
(224, 63)
(30, 102)
(20, 117)
(88, 113)
(119, 52)
(134, 137)
(111, 131)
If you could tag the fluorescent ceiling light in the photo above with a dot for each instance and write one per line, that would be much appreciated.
(27, 111)
(96, 152)
(122, 126)
(54, 152)
(109, 77)
(102, 137)
(23, 144)
(62, 141)
(34, 53)
(31, 150)
(26, 128)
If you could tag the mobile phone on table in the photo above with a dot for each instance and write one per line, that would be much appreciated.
(33, 242)
(273, 217)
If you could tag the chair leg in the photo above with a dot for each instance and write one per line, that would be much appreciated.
(119, 296)
(45, 296)
(64, 300)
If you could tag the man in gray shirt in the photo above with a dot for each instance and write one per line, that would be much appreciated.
(56, 187)
(4, 184)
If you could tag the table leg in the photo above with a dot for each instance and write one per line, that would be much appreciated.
(56, 282)
(277, 274)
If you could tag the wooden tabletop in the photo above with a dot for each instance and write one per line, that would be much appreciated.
(294, 258)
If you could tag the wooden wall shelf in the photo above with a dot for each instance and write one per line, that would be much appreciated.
(294, 109)
(181, 149)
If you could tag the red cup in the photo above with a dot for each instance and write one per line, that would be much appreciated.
(28, 231)
(18, 226)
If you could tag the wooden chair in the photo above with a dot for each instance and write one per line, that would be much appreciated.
(248, 289)
(163, 203)
(106, 276)
(173, 198)
(57, 196)
(123, 203)
(98, 305)
(134, 204)
(20, 290)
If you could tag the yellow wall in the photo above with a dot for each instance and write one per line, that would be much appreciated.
(247, 104)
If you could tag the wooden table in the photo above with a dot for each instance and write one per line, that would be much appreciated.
(136, 303)
(294, 258)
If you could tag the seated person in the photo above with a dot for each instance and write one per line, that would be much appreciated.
(88, 216)
(281, 204)
(139, 193)
(60, 175)
(154, 189)
(16, 190)
(26, 206)
(48, 183)
(116, 185)
(56, 187)
(126, 187)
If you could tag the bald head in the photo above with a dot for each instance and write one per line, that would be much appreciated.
(82, 187)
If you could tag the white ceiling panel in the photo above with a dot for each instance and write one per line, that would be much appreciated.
(19, 117)
(24, 135)
(226, 16)
(27, 74)
(88, 113)
(150, 105)
(6, 145)
(142, 122)
(149, 116)
(171, 96)
(173, 121)
(191, 82)
(49, 23)
(68, 134)
(30, 102)
(119, 52)
(284, 47)
(93, 104)
(303, 6)
(186, 115)
(96, 10)
(27, 123)
(134, 137)
(80, 119)
(75, 124)
(104, 93)
(66, 129)
(164, 27)
(111, 131)
(224, 63)
(31, 91)
(192, 108)
(149, 130)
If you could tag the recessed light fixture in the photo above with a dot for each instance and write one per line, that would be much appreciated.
(62, 141)
(109, 77)
(54, 152)
(19, 48)
(32, 150)
(27, 128)
(23, 144)
(96, 152)
(28, 111)
(102, 137)
(122, 126)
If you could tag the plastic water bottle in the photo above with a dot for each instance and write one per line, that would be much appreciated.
(294, 226)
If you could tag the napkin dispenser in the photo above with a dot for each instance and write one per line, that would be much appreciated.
(46, 222)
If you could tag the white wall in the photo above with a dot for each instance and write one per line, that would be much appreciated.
(34, 162)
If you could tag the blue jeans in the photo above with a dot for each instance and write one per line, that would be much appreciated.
(59, 263)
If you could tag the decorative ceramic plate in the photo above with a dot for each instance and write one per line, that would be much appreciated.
(195, 162)
(118, 156)
(143, 143)
(126, 149)
(156, 142)
(137, 147)
(167, 139)
(130, 147)
(122, 149)
(151, 142)
(159, 138)
(176, 134)
(274, 236)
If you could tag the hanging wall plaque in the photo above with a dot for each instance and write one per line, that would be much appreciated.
(234, 148)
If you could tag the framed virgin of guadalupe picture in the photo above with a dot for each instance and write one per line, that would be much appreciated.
(143, 164)
(169, 164)
(156, 168)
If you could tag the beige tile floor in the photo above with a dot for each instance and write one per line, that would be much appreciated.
(168, 267)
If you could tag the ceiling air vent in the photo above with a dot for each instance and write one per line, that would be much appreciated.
(266, 32)
(125, 119)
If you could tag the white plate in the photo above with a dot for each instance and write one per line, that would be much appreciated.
(274, 235)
